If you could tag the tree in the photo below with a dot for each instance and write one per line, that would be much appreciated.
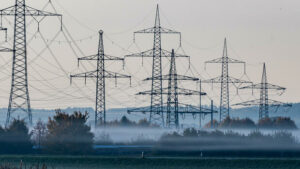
(190, 132)
(39, 133)
(125, 122)
(214, 125)
(69, 134)
(15, 139)
(277, 123)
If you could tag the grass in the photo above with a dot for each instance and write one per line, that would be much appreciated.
(95, 162)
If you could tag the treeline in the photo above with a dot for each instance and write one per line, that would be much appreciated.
(68, 134)
(266, 123)
(195, 140)
(63, 134)
(125, 122)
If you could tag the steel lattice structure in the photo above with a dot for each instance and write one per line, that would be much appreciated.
(264, 102)
(19, 100)
(173, 108)
(156, 113)
(100, 74)
(225, 80)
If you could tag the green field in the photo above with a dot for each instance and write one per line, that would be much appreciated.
(72, 162)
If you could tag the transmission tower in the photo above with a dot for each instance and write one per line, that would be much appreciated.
(225, 80)
(264, 102)
(19, 100)
(173, 107)
(100, 74)
(156, 114)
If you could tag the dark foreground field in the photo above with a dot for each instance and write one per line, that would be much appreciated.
(71, 162)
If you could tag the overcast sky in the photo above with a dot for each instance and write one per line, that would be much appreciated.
(257, 31)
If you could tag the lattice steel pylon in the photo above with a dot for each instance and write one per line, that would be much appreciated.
(173, 91)
(225, 80)
(19, 100)
(264, 102)
(156, 115)
(172, 103)
(264, 95)
(100, 74)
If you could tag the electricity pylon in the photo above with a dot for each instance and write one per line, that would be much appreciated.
(225, 80)
(100, 74)
(19, 96)
(173, 107)
(156, 114)
(264, 102)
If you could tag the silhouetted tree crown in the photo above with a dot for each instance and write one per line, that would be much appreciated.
(15, 139)
(69, 134)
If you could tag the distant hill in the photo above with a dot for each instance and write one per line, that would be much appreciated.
(251, 112)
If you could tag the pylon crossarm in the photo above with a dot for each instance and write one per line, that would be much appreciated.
(225, 61)
(9, 11)
(230, 80)
(140, 110)
(109, 74)
(260, 85)
(165, 91)
(149, 92)
(213, 80)
(168, 54)
(168, 31)
(221, 60)
(237, 81)
(190, 109)
(2, 49)
(95, 57)
(92, 74)
(154, 30)
(182, 91)
(278, 103)
(148, 30)
(109, 57)
(188, 92)
(178, 77)
(35, 12)
(258, 102)
(149, 53)
(183, 109)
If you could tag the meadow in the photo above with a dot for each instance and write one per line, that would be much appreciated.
(96, 162)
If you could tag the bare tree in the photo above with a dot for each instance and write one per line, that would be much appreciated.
(39, 133)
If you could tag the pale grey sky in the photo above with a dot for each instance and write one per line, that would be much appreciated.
(257, 31)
